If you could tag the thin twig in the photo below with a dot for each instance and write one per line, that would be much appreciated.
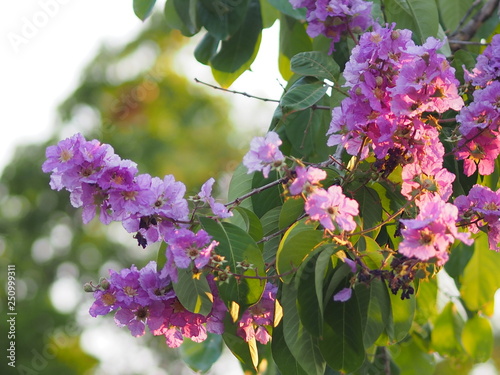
(466, 15)
(467, 31)
(238, 200)
(466, 42)
(236, 92)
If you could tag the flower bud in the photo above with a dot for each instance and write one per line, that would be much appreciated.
(104, 283)
(87, 287)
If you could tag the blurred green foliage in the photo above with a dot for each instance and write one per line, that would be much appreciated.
(155, 117)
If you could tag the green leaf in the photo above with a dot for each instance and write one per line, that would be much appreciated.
(236, 246)
(298, 241)
(413, 359)
(338, 276)
(447, 331)
(302, 96)
(401, 320)
(241, 183)
(477, 338)
(222, 18)
(206, 49)
(186, 11)
(293, 40)
(421, 16)
(285, 7)
(316, 64)
(282, 355)
(245, 352)
(201, 356)
(481, 277)
(375, 309)
(291, 210)
(193, 293)
(269, 14)
(371, 252)
(308, 307)
(370, 209)
(237, 52)
(270, 221)
(303, 346)
(161, 257)
(453, 11)
(248, 221)
(342, 343)
(462, 58)
(268, 198)
(426, 301)
(323, 265)
(143, 8)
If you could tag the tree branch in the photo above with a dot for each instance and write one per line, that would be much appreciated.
(466, 32)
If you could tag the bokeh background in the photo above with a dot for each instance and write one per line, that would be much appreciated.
(93, 67)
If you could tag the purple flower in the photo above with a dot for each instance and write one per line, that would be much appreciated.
(264, 154)
(488, 65)
(158, 287)
(185, 247)
(137, 316)
(343, 295)
(206, 196)
(335, 18)
(332, 208)
(169, 198)
(133, 198)
(306, 178)
(105, 302)
(63, 156)
(129, 290)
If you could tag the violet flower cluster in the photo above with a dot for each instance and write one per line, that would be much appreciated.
(336, 18)
(480, 120)
(153, 208)
(145, 299)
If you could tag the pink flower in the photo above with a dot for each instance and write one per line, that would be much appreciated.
(255, 318)
(264, 154)
(332, 208)
(431, 233)
(305, 179)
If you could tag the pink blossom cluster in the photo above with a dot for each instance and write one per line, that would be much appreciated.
(480, 120)
(330, 207)
(145, 298)
(336, 18)
(393, 82)
(430, 234)
(254, 320)
(481, 209)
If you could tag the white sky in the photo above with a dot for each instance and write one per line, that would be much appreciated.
(45, 44)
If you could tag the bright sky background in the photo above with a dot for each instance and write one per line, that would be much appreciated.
(44, 46)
